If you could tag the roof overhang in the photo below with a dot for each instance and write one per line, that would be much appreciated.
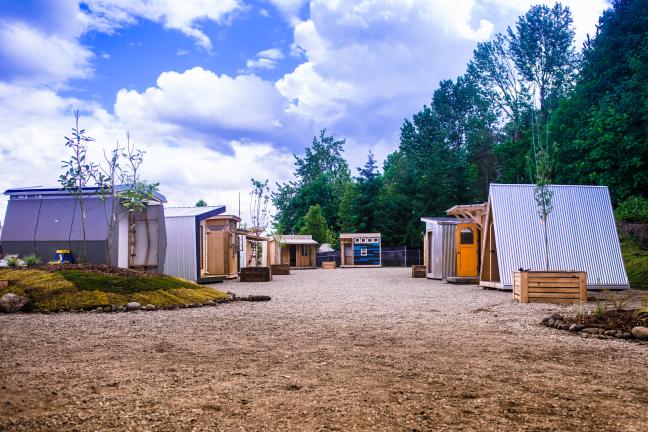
(474, 212)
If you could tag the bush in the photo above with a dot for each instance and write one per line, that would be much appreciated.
(634, 209)
(636, 262)
(12, 261)
(31, 260)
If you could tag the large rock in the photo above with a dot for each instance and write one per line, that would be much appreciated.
(640, 332)
(11, 303)
(133, 306)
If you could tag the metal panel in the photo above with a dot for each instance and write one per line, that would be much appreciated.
(443, 253)
(581, 232)
(21, 221)
(180, 259)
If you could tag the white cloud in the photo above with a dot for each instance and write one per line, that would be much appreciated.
(266, 59)
(29, 55)
(205, 102)
(183, 16)
(31, 148)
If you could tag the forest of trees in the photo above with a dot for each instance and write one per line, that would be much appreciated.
(525, 89)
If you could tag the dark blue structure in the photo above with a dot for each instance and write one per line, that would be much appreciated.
(366, 254)
(360, 250)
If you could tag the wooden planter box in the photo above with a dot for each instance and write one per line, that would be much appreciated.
(550, 287)
(280, 269)
(256, 274)
(418, 271)
(328, 264)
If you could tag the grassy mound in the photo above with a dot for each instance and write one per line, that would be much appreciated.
(78, 288)
(636, 262)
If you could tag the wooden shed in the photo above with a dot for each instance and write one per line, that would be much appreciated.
(360, 250)
(202, 243)
(248, 256)
(299, 251)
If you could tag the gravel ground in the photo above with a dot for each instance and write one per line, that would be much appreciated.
(352, 349)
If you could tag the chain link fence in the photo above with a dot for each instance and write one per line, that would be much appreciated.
(399, 256)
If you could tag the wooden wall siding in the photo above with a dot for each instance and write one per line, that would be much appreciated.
(372, 257)
(550, 287)
(221, 256)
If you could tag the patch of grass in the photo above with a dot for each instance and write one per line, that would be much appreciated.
(636, 263)
(64, 289)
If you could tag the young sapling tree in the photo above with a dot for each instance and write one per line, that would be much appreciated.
(78, 174)
(259, 214)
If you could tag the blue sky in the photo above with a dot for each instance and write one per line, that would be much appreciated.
(219, 91)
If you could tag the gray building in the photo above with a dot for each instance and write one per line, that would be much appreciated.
(42, 220)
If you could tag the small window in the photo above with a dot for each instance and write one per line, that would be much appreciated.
(363, 240)
(375, 240)
(357, 240)
(304, 250)
(216, 227)
(466, 236)
(363, 252)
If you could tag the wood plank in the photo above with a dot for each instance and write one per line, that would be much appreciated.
(573, 290)
(524, 287)
(534, 279)
(554, 274)
(554, 284)
(555, 295)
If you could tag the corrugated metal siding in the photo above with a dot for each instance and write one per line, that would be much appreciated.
(581, 230)
(181, 257)
(443, 258)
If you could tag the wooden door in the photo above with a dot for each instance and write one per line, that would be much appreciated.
(467, 250)
(216, 252)
(293, 255)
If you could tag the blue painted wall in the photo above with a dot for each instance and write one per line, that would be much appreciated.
(372, 257)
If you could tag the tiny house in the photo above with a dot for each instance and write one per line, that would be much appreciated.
(299, 251)
(41, 221)
(202, 243)
(360, 250)
(451, 249)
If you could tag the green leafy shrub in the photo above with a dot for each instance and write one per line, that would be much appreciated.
(12, 261)
(31, 260)
(636, 262)
(634, 209)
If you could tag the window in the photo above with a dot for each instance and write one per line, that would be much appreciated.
(357, 240)
(216, 227)
(363, 252)
(375, 240)
(363, 240)
(304, 250)
(466, 236)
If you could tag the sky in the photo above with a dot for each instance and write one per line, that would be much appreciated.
(220, 91)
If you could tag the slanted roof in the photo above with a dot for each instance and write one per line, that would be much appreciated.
(581, 232)
(474, 212)
(297, 239)
(51, 192)
(443, 220)
(200, 213)
(358, 235)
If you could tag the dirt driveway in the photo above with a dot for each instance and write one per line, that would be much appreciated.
(353, 349)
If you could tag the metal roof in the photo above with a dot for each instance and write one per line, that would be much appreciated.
(581, 231)
(41, 192)
(358, 235)
(297, 239)
(201, 212)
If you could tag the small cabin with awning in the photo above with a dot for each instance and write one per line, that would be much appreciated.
(299, 251)
(451, 249)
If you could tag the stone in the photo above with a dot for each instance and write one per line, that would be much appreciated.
(12, 303)
(585, 335)
(576, 327)
(46, 311)
(609, 332)
(133, 306)
(557, 317)
(150, 307)
(626, 335)
(618, 334)
(640, 332)
(557, 324)
(590, 330)
(564, 326)
(99, 309)
(550, 322)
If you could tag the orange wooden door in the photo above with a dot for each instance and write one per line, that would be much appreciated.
(467, 244)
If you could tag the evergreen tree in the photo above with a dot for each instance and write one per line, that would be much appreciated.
(359, 205)
(315, 225)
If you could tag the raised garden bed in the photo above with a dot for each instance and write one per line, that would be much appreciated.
(256, 274)
(328, 265)
(550, 286)
(280, 269)
(418, 271)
